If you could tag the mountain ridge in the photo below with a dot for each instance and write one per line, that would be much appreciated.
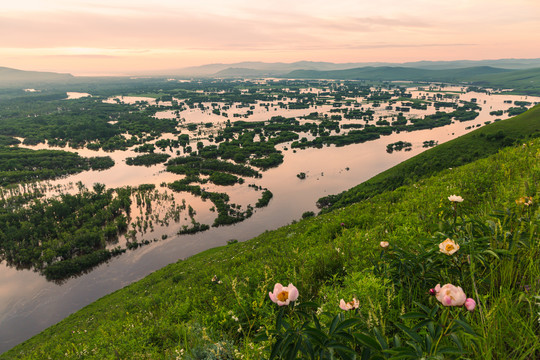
(11, 76)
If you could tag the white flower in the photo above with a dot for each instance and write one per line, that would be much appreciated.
(455, 198)
(384, 244)
(448, 247)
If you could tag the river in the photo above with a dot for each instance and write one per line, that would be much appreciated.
(29, 303)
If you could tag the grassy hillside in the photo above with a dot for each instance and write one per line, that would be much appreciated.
(475, 145)
(215, 304)
(524, 81)
(391, 73)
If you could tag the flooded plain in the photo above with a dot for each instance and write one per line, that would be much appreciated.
(29, 303)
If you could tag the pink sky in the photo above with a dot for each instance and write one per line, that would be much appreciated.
(124, 36)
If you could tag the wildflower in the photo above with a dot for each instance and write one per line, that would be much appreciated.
(455, 198)
(448, 247)
(526, 200)
(470, 304)
(349, 305)
(342, 224)
(283, 295)
(384, 244)
(450, 295)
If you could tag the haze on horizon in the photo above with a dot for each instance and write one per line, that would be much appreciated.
(98, 37)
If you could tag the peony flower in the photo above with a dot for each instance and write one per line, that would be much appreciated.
(455, 198)
(384, 244)
(349, 305)
(448, 247)
(450, 295)
(470, 304)
(283, 295)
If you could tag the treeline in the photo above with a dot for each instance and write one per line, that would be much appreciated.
(19, 165)
(398, 146)
(147, 159)
(195, 165)
(79, 122)
(226, 213)
(63, 236)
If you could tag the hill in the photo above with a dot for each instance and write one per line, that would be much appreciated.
(525, 81)
(279, 68)
(388, 73)
(14, 77)
(477, 144)
(213, 305)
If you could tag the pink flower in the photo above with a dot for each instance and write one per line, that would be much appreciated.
(283, 295)
(450, 295)
(349, 305)
(384, 244)
(470, 304)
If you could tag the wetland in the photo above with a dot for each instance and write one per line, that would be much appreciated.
(100, 187)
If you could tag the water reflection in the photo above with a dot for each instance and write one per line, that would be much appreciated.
(28, 303)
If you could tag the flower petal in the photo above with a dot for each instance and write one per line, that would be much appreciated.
(293, 292)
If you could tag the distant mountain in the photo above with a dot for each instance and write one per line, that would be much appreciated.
(14, 77)
(248, 67)
(388, 73)
(515, 64)
(257, 68)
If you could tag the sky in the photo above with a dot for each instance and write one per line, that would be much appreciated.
(108, 37)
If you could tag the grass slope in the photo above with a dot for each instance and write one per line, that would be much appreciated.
(179, 312)
(477, 144)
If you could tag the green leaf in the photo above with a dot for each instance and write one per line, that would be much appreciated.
(316, 335)
(490, 252)
(457, 341)
(380, 338)
(414, 336)
(346, 324)
(423, 307)
(334, 324)
(413, 315)
(368, 341)
(466, 327)
(307, 304)
(421, 324)
(449, 350)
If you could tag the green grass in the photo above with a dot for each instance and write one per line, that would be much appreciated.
(180, 310)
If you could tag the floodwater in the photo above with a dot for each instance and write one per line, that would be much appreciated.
(76, 95)
(29, 303)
